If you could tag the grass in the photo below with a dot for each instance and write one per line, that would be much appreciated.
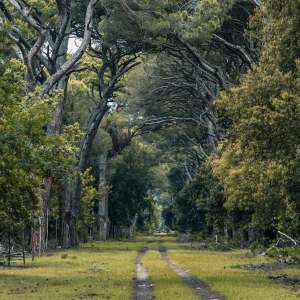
(106, 271)
(215, 269)
(96, 271)
(290, 271)
(167, 285)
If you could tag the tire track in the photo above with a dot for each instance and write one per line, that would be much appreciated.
(143, 286)
(200, 288)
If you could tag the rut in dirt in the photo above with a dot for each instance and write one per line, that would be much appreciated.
(201, 289)
(143, 286)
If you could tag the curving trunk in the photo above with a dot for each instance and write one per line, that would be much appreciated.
(70, 196)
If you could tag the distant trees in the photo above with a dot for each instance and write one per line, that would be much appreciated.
(199, 205)
(132, 185)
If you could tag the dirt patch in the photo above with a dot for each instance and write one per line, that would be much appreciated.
(86, 296)
(287, 280)
(143, 285)
(208, 246)
(200, 288)
(261, 267)
(154, 242)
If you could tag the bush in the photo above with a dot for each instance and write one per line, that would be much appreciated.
(286, 255)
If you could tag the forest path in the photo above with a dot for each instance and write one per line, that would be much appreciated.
(200, 288)
(143, 286)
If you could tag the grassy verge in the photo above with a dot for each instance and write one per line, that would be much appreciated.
(167, 285)
(215, 269)
(95, 271)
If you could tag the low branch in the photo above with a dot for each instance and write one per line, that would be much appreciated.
(289, 238)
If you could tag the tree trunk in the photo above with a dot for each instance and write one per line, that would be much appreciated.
(9, 247)
(42, 230)
(132, 227)
(58, 81)
(226, 233)
(54, 127)
(86, 145)
(68, 216)
(23, 247)
(102, 215)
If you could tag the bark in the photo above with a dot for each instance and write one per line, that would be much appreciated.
(72, 190)
(241, 52)
(226, 233)
(9, 247)
(188, 173)
(132, 226)
(23, 247)
(256, 2)
(69, 237)
(35, 22)
(41, 235)
(212, 136)
(86, 145)
(289, 238)
(102, 215)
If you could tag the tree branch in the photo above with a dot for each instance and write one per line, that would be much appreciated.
(240, 51)
(203, 63)
(66, 67)
(64, 8)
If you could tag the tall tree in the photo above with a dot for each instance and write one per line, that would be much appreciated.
(44, 54)
(257, 162)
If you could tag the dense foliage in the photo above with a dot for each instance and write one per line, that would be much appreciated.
(131, 185)
(27, 152)
(258, 162)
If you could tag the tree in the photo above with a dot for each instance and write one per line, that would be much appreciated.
(41, 34)
(131, 187)
(27, 152)
(257, 162)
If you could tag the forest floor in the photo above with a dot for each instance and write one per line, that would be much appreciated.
(148, 268)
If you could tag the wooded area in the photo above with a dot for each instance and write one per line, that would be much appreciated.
(126, 116)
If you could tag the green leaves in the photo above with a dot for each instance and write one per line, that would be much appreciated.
(153, 23)
(208, 17)
(27, 153)
(254, 163)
